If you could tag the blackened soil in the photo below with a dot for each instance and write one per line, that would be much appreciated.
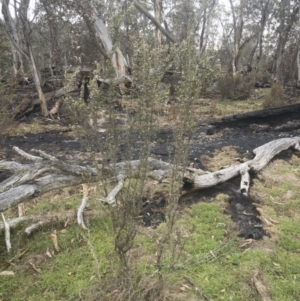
(245, 132)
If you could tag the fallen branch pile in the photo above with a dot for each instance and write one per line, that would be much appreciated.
(45, 173)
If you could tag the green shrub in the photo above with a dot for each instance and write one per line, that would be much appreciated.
(235, 87)
(5, 119)
(275, 98)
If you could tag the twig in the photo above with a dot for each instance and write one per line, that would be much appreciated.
(44, 155)
(260, 287)
(80, 219)
(26, 155)
(34, 267)
(7, 233)
(34, 227)
(111, 198)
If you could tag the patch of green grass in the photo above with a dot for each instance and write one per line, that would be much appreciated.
(69, 273)
(229, 107)
(201, 248)
(50, 206)
(283, 273)
(206, 222)
(290, 236)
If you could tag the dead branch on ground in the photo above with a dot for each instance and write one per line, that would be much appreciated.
(45, 173)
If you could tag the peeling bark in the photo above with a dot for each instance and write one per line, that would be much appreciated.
(97, 28)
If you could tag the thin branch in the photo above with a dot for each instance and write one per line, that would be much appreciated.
(7, 233)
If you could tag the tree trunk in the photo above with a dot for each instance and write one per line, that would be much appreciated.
(252, 52)
(265, 12)
(158, 13)
(286, 24)
(206, 25)
(17, 63)
(298, 65)
(53, 34)
(238, 29)
(98, 29)
(37, 82)
(11, 27)
(23, 44)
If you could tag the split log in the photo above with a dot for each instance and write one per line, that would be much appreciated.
(46, 173)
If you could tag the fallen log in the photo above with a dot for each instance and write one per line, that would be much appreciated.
(45, 173)
(26, 107)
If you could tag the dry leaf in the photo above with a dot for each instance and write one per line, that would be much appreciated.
(223, 290)
(70, 273)
(54, 239)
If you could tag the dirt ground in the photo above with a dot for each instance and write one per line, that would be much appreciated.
(233, 138)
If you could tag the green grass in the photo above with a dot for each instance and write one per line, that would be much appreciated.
(69, 273)
(203, 248)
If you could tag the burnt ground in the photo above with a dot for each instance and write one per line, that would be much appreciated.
(243, 132)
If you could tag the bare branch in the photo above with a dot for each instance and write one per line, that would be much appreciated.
(154, 21)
